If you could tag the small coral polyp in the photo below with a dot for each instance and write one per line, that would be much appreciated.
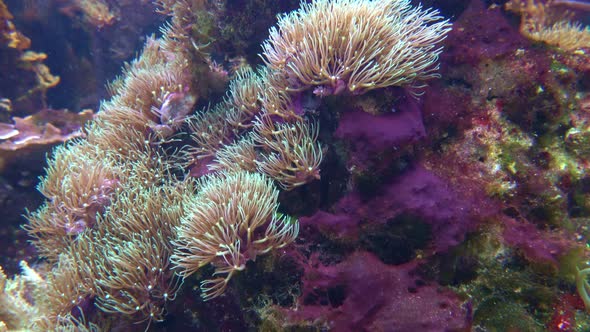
(356, 46)
(232, 219)
(292, 155)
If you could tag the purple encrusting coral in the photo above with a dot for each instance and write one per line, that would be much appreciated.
(536, 245)
(363, 294)
(368, 134)
(417, 192)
